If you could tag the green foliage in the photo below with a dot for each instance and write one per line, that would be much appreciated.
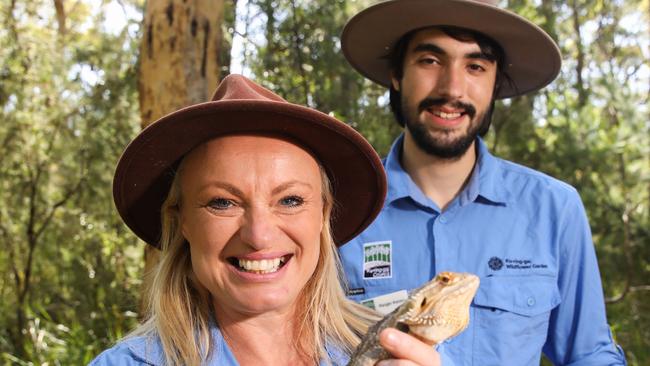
(301, 60)
(68, 106)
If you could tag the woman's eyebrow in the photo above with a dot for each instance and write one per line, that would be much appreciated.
(223, 185)
(290, 184)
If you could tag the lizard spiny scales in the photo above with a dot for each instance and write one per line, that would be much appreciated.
(433, 313)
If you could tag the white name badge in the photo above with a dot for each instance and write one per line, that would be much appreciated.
(388, 302)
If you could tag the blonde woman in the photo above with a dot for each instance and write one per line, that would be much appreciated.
(239, 194)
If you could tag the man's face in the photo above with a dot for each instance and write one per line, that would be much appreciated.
(446, 91)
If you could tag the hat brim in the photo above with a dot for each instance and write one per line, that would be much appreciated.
(146, 169)
(533, 60)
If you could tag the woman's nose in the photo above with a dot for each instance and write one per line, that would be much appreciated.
(258, 228)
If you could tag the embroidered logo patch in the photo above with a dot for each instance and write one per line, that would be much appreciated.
(377, 260)
(495, 263)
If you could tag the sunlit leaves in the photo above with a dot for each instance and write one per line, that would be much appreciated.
(68, 107)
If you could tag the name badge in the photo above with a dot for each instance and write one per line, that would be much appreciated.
(384, 304)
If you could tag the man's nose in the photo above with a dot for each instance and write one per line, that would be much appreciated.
(451, 83)
(258, 228)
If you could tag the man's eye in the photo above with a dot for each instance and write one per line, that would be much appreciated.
(292, 201)
(428, 61)
(476, 67)
(220, 204)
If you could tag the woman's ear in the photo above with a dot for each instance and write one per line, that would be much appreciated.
(179, 219)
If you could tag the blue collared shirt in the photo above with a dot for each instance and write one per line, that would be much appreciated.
(138, 351)
(523, 233)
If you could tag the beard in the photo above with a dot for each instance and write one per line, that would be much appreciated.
(440, 144)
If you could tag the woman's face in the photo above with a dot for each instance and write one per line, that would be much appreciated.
(252, 212)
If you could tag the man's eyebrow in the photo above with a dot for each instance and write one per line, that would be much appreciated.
(480, 55)
(430, 47)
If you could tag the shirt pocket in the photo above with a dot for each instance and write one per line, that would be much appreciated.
(511, 318)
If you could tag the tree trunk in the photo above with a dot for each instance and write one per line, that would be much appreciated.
(179, 57)
(60, 16)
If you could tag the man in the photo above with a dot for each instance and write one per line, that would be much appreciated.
(452, 206)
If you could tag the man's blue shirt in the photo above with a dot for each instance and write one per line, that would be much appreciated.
(523, 233)
(143, 350)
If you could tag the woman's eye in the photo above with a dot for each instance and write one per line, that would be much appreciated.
(220, 204)
(292, 201)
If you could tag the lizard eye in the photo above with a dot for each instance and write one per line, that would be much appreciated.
(424, 302)
(444, 278)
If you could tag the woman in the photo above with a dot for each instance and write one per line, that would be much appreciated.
(239, 193)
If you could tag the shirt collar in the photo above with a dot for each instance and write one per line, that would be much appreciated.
(149, 347)
(400, 184)
(486, 177)
(482, 185)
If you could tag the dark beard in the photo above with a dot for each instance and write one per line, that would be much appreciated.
(433, 146)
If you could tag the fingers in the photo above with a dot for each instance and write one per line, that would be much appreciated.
(407, 350)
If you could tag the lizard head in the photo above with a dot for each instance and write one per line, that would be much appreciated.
(440, 309)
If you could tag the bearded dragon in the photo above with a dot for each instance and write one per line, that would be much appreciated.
(433, 313)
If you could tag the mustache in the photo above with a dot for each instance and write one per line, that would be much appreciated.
(426, 103)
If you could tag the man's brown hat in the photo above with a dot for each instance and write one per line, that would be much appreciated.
(239, 106)
(533, 59)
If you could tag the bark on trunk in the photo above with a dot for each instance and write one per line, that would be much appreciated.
(179, 57)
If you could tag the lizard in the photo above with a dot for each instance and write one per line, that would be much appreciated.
(433, 313)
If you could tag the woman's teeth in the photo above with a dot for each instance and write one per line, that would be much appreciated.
(261, 266)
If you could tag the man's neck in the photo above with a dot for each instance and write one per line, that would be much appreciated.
(440, 179)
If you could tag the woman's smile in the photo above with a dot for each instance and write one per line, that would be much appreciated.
(259, 266)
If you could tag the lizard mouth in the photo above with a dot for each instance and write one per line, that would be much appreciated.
(259, 266)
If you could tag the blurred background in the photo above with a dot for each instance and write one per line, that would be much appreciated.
(79, 78)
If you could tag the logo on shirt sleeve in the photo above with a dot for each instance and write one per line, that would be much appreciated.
(377, 262)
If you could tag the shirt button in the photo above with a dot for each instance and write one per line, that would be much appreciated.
(443, 219)
(531, 301)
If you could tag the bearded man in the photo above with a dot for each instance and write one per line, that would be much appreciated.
(452, 206)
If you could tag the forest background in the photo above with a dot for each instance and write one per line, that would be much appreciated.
(73, 90)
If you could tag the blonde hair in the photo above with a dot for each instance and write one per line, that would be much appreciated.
(179, 307)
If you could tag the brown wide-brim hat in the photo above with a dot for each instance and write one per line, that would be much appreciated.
(146, 169)
(533, 59)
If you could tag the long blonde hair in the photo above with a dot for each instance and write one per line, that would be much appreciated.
(179, 307)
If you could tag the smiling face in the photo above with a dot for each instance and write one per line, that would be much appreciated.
(252, 212)
(446, 90)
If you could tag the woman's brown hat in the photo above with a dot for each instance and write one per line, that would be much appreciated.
(239, 106)
(533, 59)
